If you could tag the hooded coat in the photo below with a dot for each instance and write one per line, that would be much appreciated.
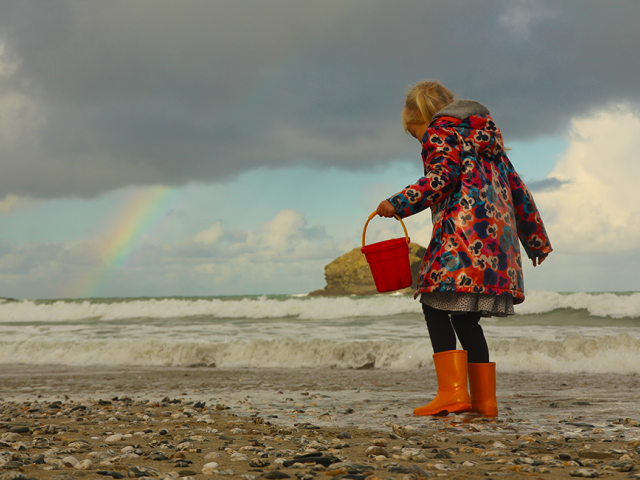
(480, 207)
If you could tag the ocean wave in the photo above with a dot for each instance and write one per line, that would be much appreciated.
(317, 308)
(574, 354)
(609, 305)
(619, 353)
(282, 353)
(612, 305)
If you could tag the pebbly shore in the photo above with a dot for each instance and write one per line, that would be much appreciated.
(121, 437)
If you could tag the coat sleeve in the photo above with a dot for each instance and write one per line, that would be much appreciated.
(441, 159)
(531, 231)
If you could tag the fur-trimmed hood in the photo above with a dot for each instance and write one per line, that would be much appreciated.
(462, 109)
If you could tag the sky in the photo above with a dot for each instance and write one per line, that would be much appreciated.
(162, 148)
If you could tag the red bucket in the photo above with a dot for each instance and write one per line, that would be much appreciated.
(389, 261)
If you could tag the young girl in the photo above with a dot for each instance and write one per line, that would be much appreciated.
(472, 268)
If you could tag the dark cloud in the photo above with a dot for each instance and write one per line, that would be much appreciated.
(157, 91)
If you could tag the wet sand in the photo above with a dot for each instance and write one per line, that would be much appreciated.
(105, 422)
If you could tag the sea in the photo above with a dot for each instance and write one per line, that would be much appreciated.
(551, 332)
(564, 359)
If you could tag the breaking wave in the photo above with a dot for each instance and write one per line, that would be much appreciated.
(603, 305)
(618, 353)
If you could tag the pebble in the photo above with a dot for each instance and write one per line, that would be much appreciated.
(376, 451)
(620, 466)
(85, 464)
(157, 456)
(138, 472)
(208, 469)
(186, 472)
(13, 476)
(275, 474)
(324, 461)
(110, 473)
(585, 472)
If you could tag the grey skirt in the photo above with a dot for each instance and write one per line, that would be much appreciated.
(463, 302)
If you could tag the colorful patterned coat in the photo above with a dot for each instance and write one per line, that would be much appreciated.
(480, 207)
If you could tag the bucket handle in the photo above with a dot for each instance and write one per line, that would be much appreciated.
(364, 232)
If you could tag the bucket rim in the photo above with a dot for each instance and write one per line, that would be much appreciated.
(391, 244)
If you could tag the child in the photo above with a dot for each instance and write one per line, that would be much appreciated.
(472, 268)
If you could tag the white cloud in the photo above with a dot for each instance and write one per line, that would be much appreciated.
(280, 236)
(285, 238)
(281, 255)
(211, 235)
(596, 208)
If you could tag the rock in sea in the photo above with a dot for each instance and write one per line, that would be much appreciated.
(350, 274)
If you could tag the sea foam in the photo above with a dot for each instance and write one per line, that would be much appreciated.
(616, 354)
(610, 305)
(260, 307)
(606, 305)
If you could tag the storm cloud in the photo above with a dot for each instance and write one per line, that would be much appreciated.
(96, 96)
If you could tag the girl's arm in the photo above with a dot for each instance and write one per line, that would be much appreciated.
(442, 163)
(531, 231)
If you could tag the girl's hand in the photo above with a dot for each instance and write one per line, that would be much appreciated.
(385, 209)
(537, 261)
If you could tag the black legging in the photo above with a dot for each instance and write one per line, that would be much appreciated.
(441, 327)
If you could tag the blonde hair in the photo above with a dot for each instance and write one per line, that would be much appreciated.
(423, 100)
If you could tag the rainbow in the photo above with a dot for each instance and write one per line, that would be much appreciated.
(138, 216)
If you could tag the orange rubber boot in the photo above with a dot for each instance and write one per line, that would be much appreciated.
(482, 383)
(451, 370)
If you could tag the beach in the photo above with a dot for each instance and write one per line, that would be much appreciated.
(246, 386)
(177, 420)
